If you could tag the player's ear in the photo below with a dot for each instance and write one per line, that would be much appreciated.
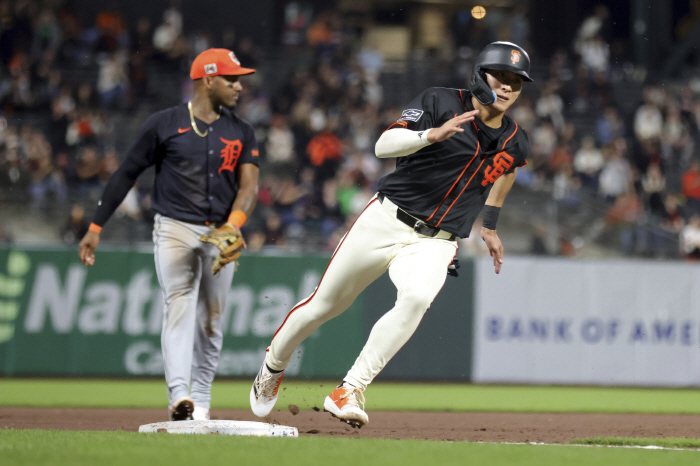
(208, 81)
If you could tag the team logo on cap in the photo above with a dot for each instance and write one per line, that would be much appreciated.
(210, 68)
(515, 56)
(234, 58)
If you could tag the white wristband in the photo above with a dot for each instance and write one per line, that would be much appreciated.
(400, 142)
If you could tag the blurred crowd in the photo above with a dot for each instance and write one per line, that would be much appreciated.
(638, 165)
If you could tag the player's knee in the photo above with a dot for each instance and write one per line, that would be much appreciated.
(414, 300)
(328, 307)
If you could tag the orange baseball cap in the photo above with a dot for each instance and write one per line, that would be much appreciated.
(217, 62)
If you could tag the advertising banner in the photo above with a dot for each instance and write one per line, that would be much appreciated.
(58, 317)
(587, 322)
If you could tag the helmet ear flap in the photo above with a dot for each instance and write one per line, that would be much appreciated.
(480, 88)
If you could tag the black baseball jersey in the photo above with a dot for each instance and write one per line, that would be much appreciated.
(446, 184)
(195, 177)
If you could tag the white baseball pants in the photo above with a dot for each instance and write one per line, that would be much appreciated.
(192, 337)
(377, 241)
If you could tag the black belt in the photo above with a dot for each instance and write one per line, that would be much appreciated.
(419, 226)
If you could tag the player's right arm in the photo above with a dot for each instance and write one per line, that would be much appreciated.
(414, 130)
(140, 156)
(495, 200)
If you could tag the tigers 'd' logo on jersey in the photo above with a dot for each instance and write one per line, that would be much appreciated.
(230, 154)
(501, 164)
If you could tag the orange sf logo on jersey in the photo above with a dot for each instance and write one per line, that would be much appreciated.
(515, 56)
(230, 154)
(501, 164)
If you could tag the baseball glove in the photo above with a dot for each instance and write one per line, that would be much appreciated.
(230, 242)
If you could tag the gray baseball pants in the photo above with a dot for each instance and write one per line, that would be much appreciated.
(192, 337)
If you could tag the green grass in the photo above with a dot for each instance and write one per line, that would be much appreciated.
(669, 442)
(70, 448)
(380, 396)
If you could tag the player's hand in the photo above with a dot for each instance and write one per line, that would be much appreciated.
(493, 242)
(451, 127)
(87, 247)
(229, 240)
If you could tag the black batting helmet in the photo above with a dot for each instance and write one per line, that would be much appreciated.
(505, 56)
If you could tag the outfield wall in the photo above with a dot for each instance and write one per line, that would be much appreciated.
(60, 318)
(539, 321)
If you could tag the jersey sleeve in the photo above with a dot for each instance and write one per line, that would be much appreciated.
(250, 153)
(141, 156)
(524, 147)
(421, 113)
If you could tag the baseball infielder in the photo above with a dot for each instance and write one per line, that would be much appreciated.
(205, 187)
(445, 174)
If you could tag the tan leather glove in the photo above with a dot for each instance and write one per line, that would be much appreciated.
(229, 240)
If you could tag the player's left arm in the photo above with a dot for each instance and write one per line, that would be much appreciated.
(247, 195)
(247, 174)
(228, 238)
(494, 202)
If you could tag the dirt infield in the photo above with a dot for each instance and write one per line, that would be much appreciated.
(490, 427)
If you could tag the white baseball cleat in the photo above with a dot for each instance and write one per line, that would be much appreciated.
(200, 414)
(344, 403)
(181, 410)
(263, 394)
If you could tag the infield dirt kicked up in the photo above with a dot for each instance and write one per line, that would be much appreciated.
(474, 426)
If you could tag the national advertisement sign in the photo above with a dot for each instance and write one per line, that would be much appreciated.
(58, 317)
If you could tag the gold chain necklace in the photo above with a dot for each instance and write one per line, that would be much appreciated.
(194, 125)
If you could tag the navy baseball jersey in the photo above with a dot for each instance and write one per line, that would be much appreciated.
(446, 184)
(195, 177)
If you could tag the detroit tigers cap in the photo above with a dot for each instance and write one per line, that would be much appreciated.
(217, 62)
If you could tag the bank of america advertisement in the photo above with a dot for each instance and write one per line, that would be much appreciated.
(587, 322)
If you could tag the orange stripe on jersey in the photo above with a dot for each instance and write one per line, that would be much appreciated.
(470, 179)
(458, 196)
(403, 124)
(511, 136)
(478, 145)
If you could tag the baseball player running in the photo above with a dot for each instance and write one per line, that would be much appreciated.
(205, 187)
(456, 151)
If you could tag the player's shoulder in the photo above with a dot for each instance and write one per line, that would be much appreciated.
(435, 101)
(231, 116)
(165, 116)
(171, 112)
(520, 136)
(443, 93)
